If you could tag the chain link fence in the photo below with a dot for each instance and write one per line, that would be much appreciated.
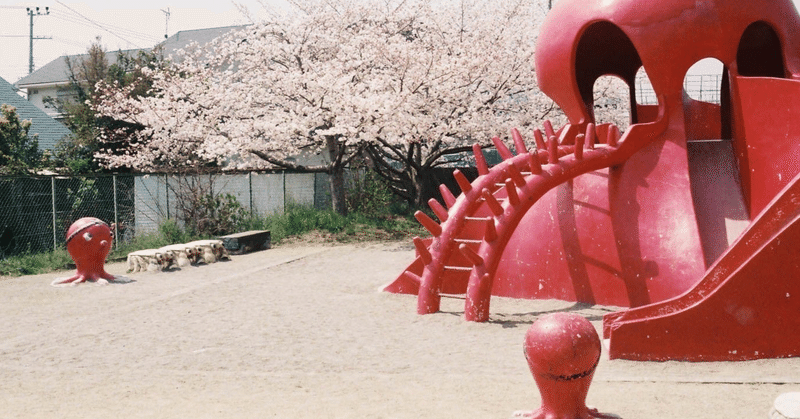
(35, 212)
(702, 87)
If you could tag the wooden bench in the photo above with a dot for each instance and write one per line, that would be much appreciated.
(248, 241)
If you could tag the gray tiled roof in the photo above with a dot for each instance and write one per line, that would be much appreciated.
(202, 36)
(49, 130)
(55, 72)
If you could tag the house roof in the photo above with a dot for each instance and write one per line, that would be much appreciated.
(56, 73)
(182, 39)
(48, 129)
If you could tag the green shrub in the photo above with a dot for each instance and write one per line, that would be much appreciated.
(295, 221)
(368, 194)
(218, 215)
(35, 263)
(172, 232)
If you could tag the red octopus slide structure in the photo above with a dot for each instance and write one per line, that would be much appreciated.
(691, 218)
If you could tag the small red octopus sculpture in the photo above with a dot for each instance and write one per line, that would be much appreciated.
(562, 350)
(88, 243)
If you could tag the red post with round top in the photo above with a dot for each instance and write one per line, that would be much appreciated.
(89, 241)
(562, 350)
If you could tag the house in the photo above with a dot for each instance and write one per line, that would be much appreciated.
(52, 79)
(48, 130)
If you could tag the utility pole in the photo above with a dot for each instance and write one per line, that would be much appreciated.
(31, 14)
(166, 30)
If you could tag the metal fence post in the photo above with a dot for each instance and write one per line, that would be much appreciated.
(166, 193)
(284, 191)
(250, 189)
(116, 212)
(53, 201)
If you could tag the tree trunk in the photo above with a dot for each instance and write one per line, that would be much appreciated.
(336, 175)
(424, 186)
(428, 189)
(336, 179)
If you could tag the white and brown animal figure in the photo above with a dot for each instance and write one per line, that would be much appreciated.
(150, 260)
(197, 255)
(205, 254)
(211, 248)
(184, 255)
(136, 263)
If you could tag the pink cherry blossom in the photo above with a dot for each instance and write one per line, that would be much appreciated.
(333, 78)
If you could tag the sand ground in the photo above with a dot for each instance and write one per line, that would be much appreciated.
(302, 332)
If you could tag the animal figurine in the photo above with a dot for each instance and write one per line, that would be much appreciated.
(151, 260)
(217, 249)
(208, 255)
(184, 255)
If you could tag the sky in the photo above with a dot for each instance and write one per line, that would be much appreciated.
(70, 27)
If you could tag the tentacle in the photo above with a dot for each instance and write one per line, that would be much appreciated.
(479, 223)
(74, 279)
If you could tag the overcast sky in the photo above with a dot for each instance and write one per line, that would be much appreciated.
(72, 26)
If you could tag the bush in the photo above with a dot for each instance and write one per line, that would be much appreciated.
(172, 232)
(218, 215)
(369, 195)
(204, 212)
(19, 152)
(35, 263)
(295, 221)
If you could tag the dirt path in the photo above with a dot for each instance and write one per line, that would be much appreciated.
(301, 332)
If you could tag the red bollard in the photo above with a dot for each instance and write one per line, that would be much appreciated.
(562, 350)
(88, 243)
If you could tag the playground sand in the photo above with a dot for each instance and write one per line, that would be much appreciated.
(301, 331)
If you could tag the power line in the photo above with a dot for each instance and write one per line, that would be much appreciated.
(97, 24)
(69, 42)
(91, 22)
(127, 32)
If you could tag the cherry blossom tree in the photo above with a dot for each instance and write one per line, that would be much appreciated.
(411, 81)
(466, 77)
(295, 86)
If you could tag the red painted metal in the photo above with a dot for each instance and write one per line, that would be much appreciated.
(745, 307)
(562, 350)
(648, 220)
(88, 243)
